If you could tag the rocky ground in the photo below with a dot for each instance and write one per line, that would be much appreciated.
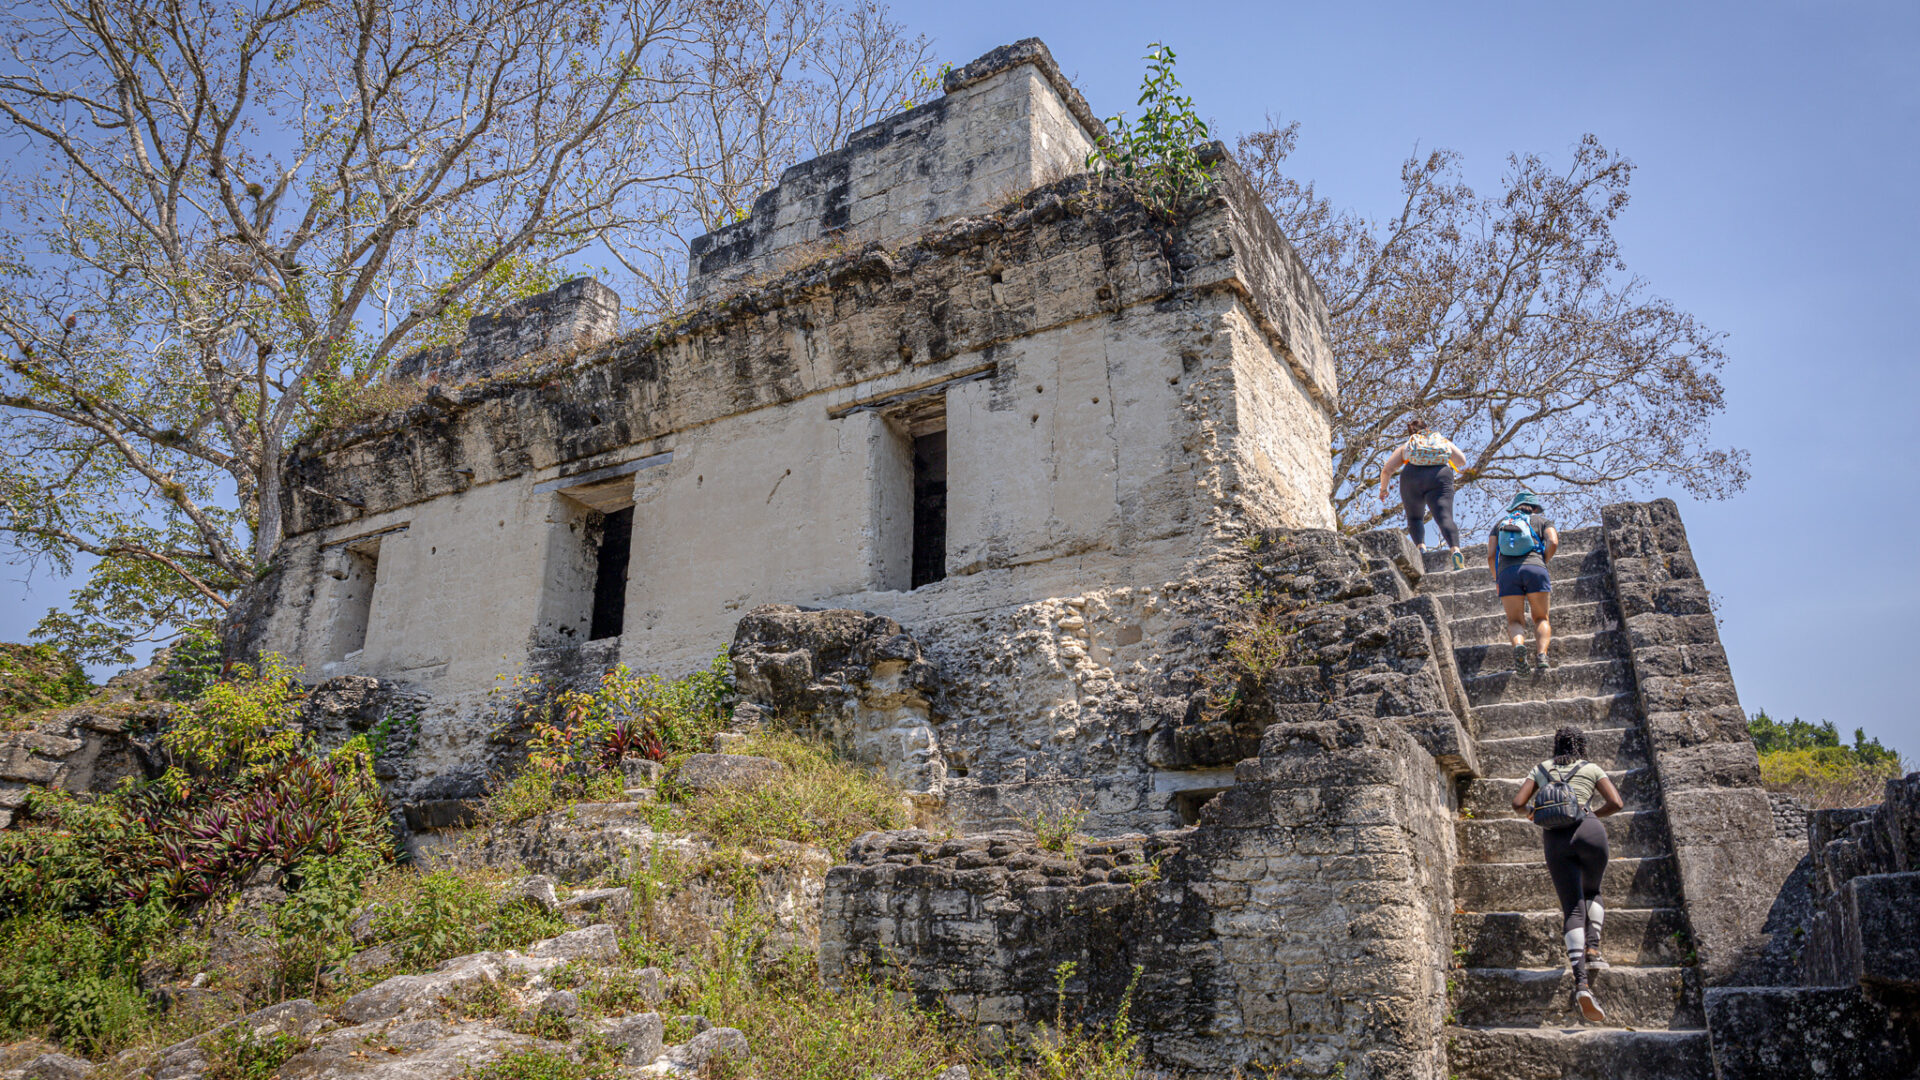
(662, 937)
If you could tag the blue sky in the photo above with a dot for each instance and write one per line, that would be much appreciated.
(1777, 145)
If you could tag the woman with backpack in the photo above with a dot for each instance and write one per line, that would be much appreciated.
(1518, 550)
(1426, 462)
(1557, 796)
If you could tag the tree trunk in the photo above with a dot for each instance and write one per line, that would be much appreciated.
(266, 534)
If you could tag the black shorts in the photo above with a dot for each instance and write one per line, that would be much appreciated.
(1523, 579)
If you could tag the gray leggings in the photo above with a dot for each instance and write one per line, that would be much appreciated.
(1428, 486)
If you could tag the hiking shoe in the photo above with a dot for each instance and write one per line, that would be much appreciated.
(1520, 659)
(1459, 560)
(1589, 1006)
(1540, 661)
(1596, 962)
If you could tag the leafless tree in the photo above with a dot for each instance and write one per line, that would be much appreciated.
(786, 80)
(224, 219)
(1509, 322)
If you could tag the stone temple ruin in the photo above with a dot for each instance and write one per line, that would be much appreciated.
(978, 467)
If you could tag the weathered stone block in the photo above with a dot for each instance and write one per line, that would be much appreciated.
(1842, 1034)
(717, 772)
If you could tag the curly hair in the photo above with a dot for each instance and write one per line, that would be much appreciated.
(1569, 745)
(1416, 425)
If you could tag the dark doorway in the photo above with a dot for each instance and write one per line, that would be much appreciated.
(929, 508)
(610, 576)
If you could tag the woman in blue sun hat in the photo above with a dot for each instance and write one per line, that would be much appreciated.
(1518, 550)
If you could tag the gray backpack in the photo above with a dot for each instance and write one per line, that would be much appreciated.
(1556, 806)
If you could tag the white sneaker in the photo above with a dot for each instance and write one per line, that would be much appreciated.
(1589, 1007)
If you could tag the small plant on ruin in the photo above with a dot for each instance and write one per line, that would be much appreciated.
(240, 1053)
(1055, 828)
(1069, 1051)
(1158, 154)
(926, 86)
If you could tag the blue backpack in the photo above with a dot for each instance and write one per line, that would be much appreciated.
(1516, 538)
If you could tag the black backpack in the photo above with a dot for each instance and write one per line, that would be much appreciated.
(1556, 806)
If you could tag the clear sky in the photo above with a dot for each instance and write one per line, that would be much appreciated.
(1778, 147)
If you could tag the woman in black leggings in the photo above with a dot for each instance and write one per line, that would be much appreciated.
(1427, 464)
(1577, 856)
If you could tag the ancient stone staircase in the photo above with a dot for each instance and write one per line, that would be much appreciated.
(1510, 987)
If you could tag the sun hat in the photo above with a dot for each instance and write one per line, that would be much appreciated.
(1526, 498)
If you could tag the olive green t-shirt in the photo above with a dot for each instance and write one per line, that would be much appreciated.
(1584, 781)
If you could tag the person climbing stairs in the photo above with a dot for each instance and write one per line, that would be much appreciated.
(1510, 988)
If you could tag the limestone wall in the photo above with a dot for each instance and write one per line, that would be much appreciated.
(1298, 926)
(1006, 123)
(1305, 921)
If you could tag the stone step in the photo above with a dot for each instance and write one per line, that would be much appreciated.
(1513, 719)
(1497, 657)
(1639, 937)
(1594, 678)
(1639, 997)
(1567, 589)
(1590, 1053)
(1492, 799)
(1631, 834)
(1488, 626)
(1613, 749)
(1585, 539)
(1569, 563)
(1634, 883)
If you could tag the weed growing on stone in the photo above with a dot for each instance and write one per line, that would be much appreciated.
(427, 918)
(1069, 1051)
(540, 1063)
(240, 1053)
(821, 800)
(579, 737)
(1055, 828)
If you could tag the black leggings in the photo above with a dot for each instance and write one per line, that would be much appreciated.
(1576, 858)
(1433, 486)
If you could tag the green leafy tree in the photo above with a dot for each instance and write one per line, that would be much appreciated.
(1510, 322)
(1770, 735)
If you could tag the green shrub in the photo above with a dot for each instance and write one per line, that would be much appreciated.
(242, 725)
(427, 918)
(313, 927)
(1158, 154)
(35, 677)
(252, 794)
(580, 736)
(74, 979)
